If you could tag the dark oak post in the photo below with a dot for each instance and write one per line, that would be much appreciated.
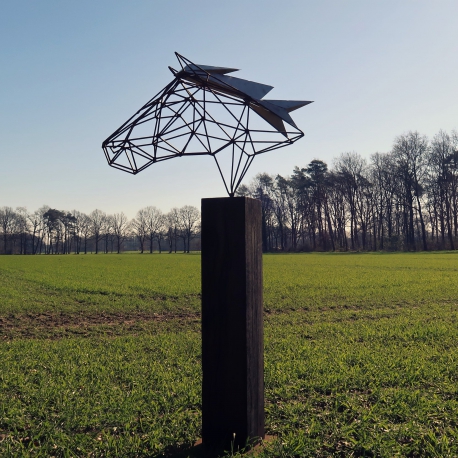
(232, 322)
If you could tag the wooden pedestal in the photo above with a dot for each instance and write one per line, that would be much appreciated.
(232, 322)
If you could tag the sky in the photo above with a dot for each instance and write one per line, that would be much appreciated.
(72, 72)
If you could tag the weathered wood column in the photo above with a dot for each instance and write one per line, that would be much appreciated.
(232, 322)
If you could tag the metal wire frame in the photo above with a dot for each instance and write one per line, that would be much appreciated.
(178, 121)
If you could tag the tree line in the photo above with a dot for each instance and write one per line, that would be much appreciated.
(51, 231)
(405, 199)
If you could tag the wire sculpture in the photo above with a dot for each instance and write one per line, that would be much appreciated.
(203, 111)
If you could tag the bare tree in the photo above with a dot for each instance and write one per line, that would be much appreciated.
(78, 229)
(153, 221)
(383, 176)
(7, 222)
(107, 232)
(97, 222)
(21, 228)
(338, 208)
(189, 217)
(140, 228)
(162, 232)
(442, 185)
(173, 228)
(120, 228)
(85, 225)
(262, 188)
(410, 152)
(36, 228)
(350, 167)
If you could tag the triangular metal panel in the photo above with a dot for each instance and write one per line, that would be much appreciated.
(270, 117)
(209, 69)
(289, 105)
(236, 87)
(250, 88)
(280, 112)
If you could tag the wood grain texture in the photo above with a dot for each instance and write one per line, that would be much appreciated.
(232, 321)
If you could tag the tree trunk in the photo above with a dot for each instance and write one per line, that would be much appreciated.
(422, 223)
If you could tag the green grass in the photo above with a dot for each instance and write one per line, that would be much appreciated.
(99, 283)
(100, 355)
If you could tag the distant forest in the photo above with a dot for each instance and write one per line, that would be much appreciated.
(403, 200)
(51, 231)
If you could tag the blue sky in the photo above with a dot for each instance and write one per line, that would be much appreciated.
(72, 72)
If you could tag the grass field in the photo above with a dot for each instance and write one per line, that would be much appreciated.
(100, 355)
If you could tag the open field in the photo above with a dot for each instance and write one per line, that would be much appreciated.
(100, 355)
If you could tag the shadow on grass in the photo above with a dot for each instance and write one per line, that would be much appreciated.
(199, 451)
(185, 451)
